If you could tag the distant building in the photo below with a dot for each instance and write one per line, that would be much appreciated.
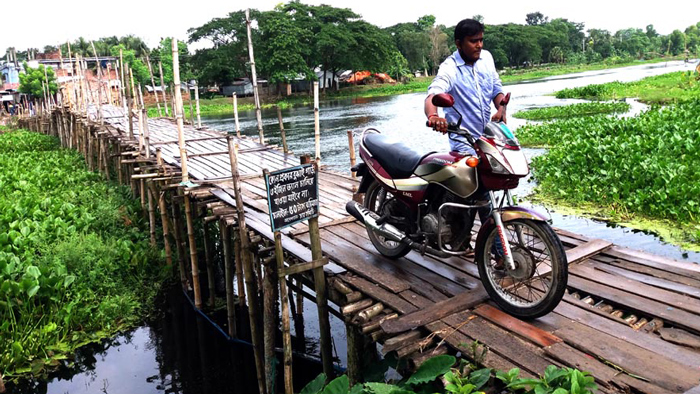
(10, 75)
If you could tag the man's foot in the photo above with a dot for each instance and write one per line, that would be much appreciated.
(500, 264)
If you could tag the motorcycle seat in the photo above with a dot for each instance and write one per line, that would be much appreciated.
(399, 160)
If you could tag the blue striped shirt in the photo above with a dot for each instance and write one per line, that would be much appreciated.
(474, 87)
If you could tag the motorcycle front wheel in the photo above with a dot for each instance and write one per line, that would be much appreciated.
(378, 200)
(538, 282)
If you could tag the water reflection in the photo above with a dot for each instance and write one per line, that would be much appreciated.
(177, 352)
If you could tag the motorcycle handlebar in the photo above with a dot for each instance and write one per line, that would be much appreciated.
(452, 127)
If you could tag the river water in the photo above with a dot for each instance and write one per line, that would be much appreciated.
(180, 352)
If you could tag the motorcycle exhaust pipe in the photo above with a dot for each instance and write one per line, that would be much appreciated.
(374, 222)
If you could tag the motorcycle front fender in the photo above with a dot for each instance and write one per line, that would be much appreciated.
(509, 214)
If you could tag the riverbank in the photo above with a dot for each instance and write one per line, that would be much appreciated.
(661, 89)
(75, 264)
(221, 105)
(638, 171)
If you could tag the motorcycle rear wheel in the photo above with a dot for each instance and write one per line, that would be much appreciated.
(376, 198)
(538, 283)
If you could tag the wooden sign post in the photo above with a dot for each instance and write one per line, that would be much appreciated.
(292, 196)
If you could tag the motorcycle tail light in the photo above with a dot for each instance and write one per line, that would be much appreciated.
(496, 166)
(472, 161)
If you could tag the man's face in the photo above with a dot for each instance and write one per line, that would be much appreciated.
(470, 47)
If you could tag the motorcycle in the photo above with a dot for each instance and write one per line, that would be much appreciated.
(428, 203)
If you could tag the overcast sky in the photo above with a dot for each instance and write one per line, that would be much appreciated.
(52, 22)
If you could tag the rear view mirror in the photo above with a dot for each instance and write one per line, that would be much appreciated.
(444, 100)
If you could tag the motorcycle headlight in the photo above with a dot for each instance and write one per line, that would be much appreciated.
(496, 165)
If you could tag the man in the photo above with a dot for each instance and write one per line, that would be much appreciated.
(469, 74)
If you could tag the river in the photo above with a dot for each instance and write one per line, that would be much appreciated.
(177, 351)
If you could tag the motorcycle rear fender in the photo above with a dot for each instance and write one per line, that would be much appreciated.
(509, 214)
(361, 170)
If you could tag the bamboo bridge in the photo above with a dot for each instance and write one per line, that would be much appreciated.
(630, 318)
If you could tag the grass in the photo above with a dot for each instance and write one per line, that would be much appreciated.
(573, 110)
(75, 261)
(224, 105)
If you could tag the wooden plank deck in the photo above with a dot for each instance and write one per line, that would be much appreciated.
(597, 327)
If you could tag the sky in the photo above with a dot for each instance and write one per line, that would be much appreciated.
(53, 22)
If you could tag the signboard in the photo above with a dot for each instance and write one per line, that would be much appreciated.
(292, 195)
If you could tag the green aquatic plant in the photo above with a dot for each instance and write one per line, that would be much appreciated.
(74, 262)
(643, 166)
(573, 111)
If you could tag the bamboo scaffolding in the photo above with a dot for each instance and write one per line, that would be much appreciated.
(251, 288)
(235, 115)
(162, 89)
(196, 98)
(185, 177)
(153, 84)
(258, 112)
(317, 126)
(99, 84)
(282, 132)
(228, 273)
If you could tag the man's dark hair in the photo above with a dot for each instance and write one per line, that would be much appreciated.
(468, 27)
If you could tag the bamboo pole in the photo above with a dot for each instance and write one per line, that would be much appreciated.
(129, 104)
(208, 251)
(270, 321)
(153, 84)
(321, 296)
(122, 81)
(228, 273)
(100, 116)
(139, 115)
(189, 100)
(286, 335)
(162, 89)
(353, 159)
(181, 254)
(282, 133)
(185, 177)
(258, 112)
(151, 217)
(251, 288)
(196, 98)
(317, 126)
(235, 115)
(239, 270)
(166, 226)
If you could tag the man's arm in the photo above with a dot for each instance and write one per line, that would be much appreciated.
(441, 83)
(500, 114)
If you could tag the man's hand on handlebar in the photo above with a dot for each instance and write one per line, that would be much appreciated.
(500, 115)
(438, 123)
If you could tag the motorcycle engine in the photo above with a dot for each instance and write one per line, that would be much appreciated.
(429, 225)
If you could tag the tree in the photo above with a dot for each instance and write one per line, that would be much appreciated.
(556, 55)
(164, 53)
(438, 47)
(536, 18)
(426, 22)
(227, 58)
(138, 68)
(31, 80)
(677, 44)
(601, 42)
(479, 18)
(651, 32)
(283, 56)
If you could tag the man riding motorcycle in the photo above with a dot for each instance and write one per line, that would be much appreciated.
(470, 76)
